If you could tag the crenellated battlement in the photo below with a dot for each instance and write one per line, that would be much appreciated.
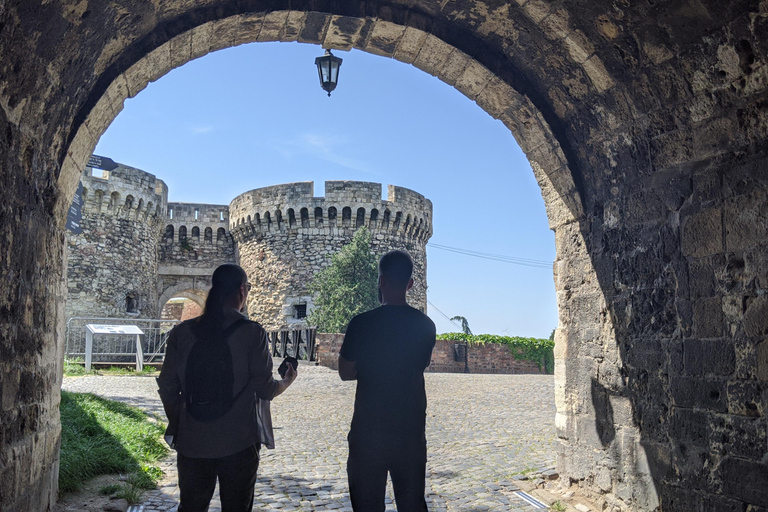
(124, 192)
(197, 222)
(346, 206)
(281, 235)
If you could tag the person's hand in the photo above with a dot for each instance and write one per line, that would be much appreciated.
(290, 375)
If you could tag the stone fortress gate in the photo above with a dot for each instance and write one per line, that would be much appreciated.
(137, 251)
(646, 126)
(285, 235)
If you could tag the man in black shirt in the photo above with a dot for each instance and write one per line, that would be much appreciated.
(386, 350)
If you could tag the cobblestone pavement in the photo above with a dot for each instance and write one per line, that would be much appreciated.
(481, 431)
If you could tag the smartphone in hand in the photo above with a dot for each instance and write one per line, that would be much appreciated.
(289, 360)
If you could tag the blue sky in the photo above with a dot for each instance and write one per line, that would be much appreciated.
(255, 115)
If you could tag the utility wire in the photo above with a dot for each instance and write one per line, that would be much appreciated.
(446, 316)
(494, 257)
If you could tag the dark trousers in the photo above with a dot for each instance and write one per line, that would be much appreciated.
(236, 474)
(367, 468)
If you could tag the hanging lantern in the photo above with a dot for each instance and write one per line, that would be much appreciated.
(328, 69)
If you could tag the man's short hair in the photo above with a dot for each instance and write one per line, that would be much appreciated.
(397, 268)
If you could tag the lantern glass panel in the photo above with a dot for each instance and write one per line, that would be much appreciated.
(334, 71)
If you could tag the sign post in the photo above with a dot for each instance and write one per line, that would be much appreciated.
(75, 212)
(92, 329)
(101, 162)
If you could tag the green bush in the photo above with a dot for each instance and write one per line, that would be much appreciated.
(347, 287)
(537, 350)
(101, 437)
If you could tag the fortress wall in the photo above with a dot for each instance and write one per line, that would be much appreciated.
(112, 264)
(285, 236)
(355, 191)
(281, 266)
(196, 237)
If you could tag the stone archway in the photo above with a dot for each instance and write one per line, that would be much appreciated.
(186, 291)
(470, 76)
(645, 123)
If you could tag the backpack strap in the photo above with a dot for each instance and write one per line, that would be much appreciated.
(229, 331)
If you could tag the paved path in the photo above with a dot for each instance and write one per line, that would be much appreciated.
(481, 431)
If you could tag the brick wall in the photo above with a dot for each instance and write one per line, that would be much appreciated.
(488, 358)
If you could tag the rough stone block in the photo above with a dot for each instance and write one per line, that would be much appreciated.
(137, 77)
(745, 398)
(701, 278)
(454, 66)
(473, 80)
(537, 10)
(201, 40)
(272, 26)
(159, 61)
(756, 317)
(433, 55)
(579, 47)
(180, 49)
(708, 318)
(598, 74)
(250, 28)
(496, 98)
(698, 393)
(343, 32)
(384, 38)
(746, 222)
(702, 233)
(708, 356)
(224, 33)
(315, 25)
(410, 45)
(293, 26)
(745, 480)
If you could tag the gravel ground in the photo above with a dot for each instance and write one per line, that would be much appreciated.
(481, 431)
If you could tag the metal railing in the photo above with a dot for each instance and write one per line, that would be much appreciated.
(117, 348)
(298, 342)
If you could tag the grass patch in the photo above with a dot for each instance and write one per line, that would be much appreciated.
(102, 437)
(558, 506)
(129, 493)
(75, 368)
(109, 489)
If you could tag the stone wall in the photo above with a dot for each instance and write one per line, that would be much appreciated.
(112, 264)
(487, 358)
(645, 124)
(285, 236)
(195, 236)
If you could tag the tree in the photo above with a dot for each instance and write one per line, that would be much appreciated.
(347, 287)
(464, 324)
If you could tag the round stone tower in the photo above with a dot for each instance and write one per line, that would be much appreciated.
(284, 236)
(112, 264)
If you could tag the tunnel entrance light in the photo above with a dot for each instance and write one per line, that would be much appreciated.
(328, 70)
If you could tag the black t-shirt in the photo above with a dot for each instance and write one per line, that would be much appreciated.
(391, 346)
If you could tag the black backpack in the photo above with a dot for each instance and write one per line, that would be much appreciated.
(209, 376)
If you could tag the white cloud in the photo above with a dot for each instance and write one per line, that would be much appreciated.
(199, 129)
(327, 148)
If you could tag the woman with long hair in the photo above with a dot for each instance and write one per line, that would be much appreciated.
(216, 386)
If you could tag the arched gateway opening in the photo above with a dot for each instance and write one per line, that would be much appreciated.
(644, 124)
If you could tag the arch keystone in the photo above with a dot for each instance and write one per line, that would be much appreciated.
(250, 28)
(343, 32)
(273, 26)
(384, 38)
(293, 26)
